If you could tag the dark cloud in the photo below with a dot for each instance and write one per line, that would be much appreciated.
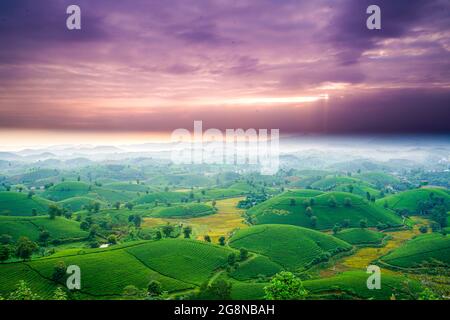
(164, 53)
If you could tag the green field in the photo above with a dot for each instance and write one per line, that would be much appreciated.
(410, 199)
(428, 248)
(289, 246)
(72, 189)
(77, 203)
(187, 260)
(255, 267)
(59, 228)
(186, 210)
(344, 183)
(352, 285)
(358, 236)
(178, 264)
(378, 178)
(19, 204)
(279, 210)
(66, 190)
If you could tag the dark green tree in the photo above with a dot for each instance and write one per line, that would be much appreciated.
(25, 248)
(285, 286)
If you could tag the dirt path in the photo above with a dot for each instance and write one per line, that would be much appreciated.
(365, 256)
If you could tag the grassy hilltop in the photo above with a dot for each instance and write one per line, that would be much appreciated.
(329, 208)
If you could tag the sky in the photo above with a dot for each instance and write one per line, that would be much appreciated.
(144, 66)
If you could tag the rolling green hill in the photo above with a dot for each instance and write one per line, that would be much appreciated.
(254, 267)
(289, 246)
(431, 248)
(73, 189)
(186, 210)
(409, 200)
(186, 260)
(65, 190)
(378, 179)
(178, 264)
(168, 196)
(280, 210)
(19, 204)
(358, 236)
(346, 184)
(352, 284)
(77, 203)
(127, 186)
(59, 228)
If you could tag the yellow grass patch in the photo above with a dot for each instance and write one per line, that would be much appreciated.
(365, 256)
(227, 219)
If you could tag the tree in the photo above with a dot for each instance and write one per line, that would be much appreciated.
(167, 230)
(385, 205)
(350, 188)
(187, 232)
(348, 202)
(59, 294)
(158, 235)
(84, 225)
(93, 231)
(428, 294)
(218, 290)
(243, 254)
(285, 286)
(30, 194)
(44, 235)
(23, 292)
(137, 220)
(129, 206)
(232, 259)
(207, 238)
(25, 248)
(292, 202)
(34, 212)
(112, 239)
(4, 253)
(5, 239)
(336, 228)
(59, 271)
(214, 203)
(363, 223)
(313, 221)
(154, 288)
(117, 205)
(68, 213)
(423, 229)
(312, 201)
(222, 240)
(96, 206)
(309, 212)
(368, 196)
(332, 202)
(53, 211)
